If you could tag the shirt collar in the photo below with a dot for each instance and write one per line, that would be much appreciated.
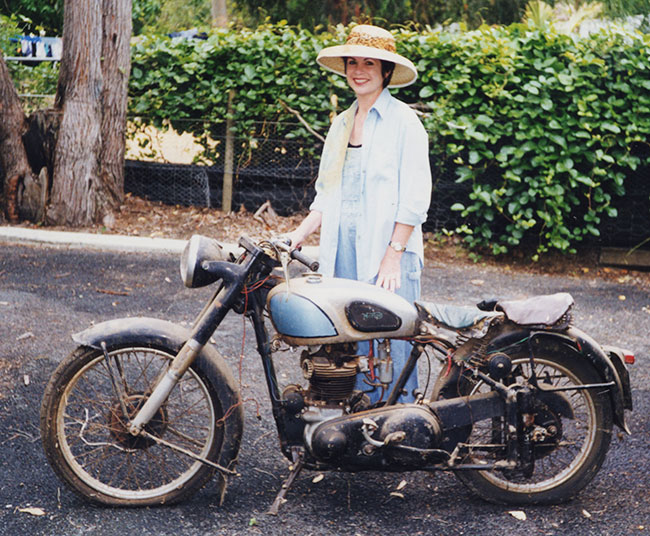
(381, 104)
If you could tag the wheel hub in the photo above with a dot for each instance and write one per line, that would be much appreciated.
(119, 423)
(547, 432)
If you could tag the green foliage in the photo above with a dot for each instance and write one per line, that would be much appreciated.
(175, 80)
(37, 79)
(38, 15)
(542, 126)
(153, 16)
(145, 13)
(166, 16)
(311, 14)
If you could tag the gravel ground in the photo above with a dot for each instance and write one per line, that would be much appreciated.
(46, 293)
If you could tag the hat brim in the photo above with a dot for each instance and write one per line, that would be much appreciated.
(331, 58)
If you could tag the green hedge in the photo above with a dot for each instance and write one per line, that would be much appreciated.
(551, 120)
(543, 125)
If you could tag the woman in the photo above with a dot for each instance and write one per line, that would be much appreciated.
(374, 183)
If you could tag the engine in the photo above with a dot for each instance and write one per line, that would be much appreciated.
(336, 424)
(331, 371)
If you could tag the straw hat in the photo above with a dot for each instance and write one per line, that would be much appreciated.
(367, 41)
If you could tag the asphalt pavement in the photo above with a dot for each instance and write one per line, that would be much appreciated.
(50, 289)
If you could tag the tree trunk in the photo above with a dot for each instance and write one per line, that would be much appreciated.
(13, 157)
(116, 65)
(75, 180)
(219, 14)
(77, 147)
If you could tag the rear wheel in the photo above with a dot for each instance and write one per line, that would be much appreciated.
(571, 436)
(85, 432)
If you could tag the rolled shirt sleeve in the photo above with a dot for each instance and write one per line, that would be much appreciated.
(414, 176)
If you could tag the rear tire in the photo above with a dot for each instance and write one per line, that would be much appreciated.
(87, 443)
(565, 464)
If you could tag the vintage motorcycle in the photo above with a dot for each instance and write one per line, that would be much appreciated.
(145, 412)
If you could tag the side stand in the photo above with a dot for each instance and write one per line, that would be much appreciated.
(296, 467)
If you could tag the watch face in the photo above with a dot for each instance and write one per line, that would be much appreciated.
(396, 246)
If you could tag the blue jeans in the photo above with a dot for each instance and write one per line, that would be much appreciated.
(346, 267)
(411, 270)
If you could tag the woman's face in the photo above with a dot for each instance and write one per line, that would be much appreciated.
(364, 76)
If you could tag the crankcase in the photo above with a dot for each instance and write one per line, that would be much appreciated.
(391, 438)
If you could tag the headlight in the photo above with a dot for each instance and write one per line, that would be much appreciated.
(197, 250)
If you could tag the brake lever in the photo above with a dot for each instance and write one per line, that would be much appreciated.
(284, 262)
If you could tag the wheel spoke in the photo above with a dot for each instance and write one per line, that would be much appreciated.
(556, 461)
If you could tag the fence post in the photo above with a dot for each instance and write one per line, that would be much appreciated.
(229, 157)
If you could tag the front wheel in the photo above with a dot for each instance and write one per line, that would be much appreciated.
(569, 445)
(85, 432)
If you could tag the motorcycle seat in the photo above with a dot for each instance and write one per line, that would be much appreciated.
(457, 317)
(546, 310)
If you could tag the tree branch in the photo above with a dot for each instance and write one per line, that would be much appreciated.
(302, 120)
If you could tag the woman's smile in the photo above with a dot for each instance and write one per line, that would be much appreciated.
(364, 75)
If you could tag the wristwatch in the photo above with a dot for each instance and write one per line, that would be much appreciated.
(397, 246)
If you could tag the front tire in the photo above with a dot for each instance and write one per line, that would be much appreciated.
(564, 464)
(85, 435)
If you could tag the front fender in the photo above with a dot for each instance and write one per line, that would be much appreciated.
(156, 333)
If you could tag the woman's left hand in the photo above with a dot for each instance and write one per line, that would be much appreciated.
(390, 276)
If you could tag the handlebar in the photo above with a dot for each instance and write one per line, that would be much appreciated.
(298, 255)
(304, 259)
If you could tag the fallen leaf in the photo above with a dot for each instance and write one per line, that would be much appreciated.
(33, 511)
(586, 514)
(397, 494)
(518, 514)
(252, 522)
(401, 485)
(318, 478)
(24, 336)
(477, 282)
(26, 379)
(621, 297)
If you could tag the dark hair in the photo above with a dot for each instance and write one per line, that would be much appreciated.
(387, 69)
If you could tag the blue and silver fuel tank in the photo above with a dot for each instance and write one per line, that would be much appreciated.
(321, 310)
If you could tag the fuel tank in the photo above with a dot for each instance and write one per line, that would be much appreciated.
(322, 310)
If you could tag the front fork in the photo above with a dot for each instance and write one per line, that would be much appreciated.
(234, 277)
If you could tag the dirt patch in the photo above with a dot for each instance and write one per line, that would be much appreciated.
(7, 377)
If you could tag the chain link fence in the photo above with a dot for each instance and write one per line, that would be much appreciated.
(276, 170)
(283, 171)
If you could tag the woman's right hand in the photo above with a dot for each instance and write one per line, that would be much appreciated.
(296, 238)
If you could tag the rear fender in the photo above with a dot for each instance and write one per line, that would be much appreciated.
(573, 340)
(584, 347)
(156, 333)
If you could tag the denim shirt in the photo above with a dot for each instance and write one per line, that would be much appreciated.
(395, 183)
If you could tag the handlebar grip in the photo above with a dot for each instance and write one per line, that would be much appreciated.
(304, 259)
